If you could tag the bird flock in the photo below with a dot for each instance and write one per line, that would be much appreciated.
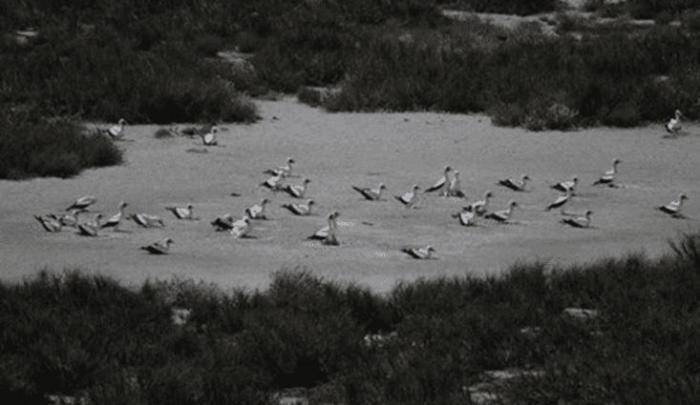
(447, 186)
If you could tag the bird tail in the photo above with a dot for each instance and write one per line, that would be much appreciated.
(358, 189)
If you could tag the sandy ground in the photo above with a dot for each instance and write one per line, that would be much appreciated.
(335, 151)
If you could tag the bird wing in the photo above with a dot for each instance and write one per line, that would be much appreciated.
(438, 185)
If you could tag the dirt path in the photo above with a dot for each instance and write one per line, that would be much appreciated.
(335, 151)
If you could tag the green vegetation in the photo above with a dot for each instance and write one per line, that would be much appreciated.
(87, 336)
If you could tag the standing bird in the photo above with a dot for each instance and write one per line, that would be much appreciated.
(566, 185)
(116, 132)
(82, 203)
(115, 219)
(561, 200)
(300, 209)
(609, 176)
(282, 171)
(410, 198)
(182, 212)
(503, 215)
(673, 126)
(159, 248)
(274, 183)
(223, 223)
(148, 221)
(466, 217)
(579, 222)
(257, 211)
(327, 234)
(674, 207)
(90, 228)
(515, 185)
(423, 253)
(209, 138)
(442, 183)
(481, 207)
(371, 194)
(49, 222)
(241, 228)
(297, 190)
(455, 187)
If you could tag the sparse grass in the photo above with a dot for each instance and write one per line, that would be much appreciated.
(83, 335)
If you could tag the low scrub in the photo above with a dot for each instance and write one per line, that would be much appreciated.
(426, 341)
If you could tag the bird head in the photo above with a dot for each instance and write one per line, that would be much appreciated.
(264, 201)
(526, 177)
(311, 202)
(513, 204)
(678, 113)
(382, 186)
(616, 162)
(290, 160)
(416, 187)
(589, 213)
(168, 241)
(336, 214)
(307, 181)
(683, 196)
(430, 249)
(122, 121)
(488, 194)
(123, 204)
(574, 180)
(447, 169)
(190, 206)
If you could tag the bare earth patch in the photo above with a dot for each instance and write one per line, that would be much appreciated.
(336, 151)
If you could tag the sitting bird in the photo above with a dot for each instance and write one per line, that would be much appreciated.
(274, 183)
(673, 126)
(481, 207)
(410, 198)
(566, 185)
(209, 138)
(297, 190)
(223, 223)
(49, 222)
(159, 248)
(423, 253)
(82, 203)
(609, 177)
(90, 228)
(116, 132)
(674, 207)
(148, 221)
(561, 200)
(503, 215)
(515, 185)
(182, 212)
(282, 171)
(371, 194)
(257, 211)
(300, 209)
(579, 222)
(241, 228)
(466, 217)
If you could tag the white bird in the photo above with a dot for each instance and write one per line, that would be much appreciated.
(673, 126)
(327, 234)
(182, 212)
(159, 248)
(410, 198)
(90, 228)
(515, 185)
(561, 200)
(503, 215)
(223, 223)
(466, 217)
(282, 171)
(674, 207)
(481, 207)
(209, 138)
(82, 203)
(116, 132)
(566, 185)
(420, 253)
(257, 211)
(442, 183)
(300, 209)
(297, 190)
(371, 194)
(609, 176)
(241, 228)
(148, 221)
(49, 222)
(455, 187)
(273, 183)
(579, 222)
(115, 219)
(70, 219)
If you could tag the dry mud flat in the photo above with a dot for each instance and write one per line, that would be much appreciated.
(335, 151)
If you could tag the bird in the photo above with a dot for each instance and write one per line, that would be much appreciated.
(257, 211)
(466, 217)
(609, 176)
(579, 222)
(159, 248)
(49, 222)
(297, 190)
(515, 185)
(327, 234)
(115, 219)
(300, 209)
(442, 183)
(282, 171)
(566, 185)
(241, 228)
(209, 138)
(423, 253)
(70, 219)
(223, 223)
(90, 228)
(371, 194)
(147, 221)
(182, 212)
(116, 132)
(410, 198)
(674, 207)
(82, 203)
(503, 215)
(481, 207)
(561, 200)
(455, 187)
(673, 126)
(273, 183)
